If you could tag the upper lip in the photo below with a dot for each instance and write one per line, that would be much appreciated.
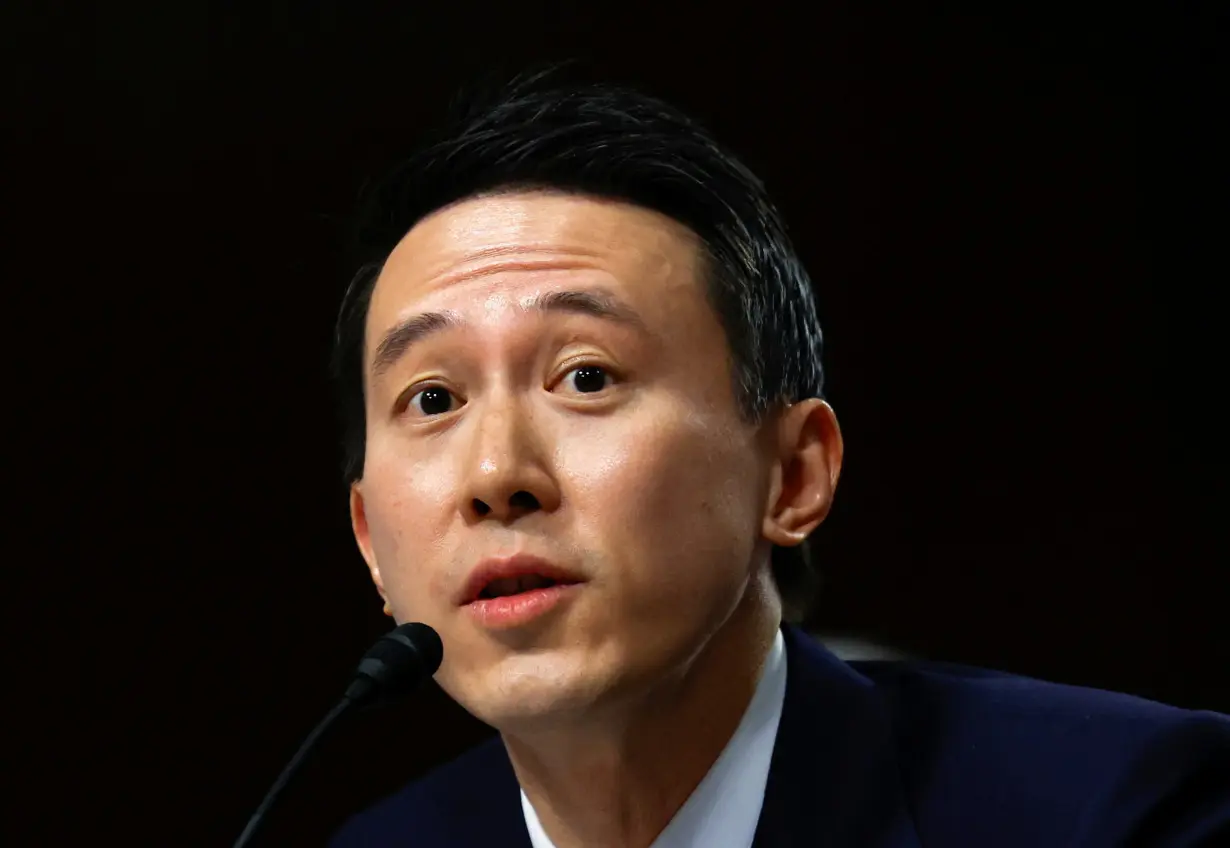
(517, 565)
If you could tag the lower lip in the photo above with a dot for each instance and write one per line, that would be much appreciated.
(520, 609)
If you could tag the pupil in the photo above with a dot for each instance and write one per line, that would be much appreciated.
(435, 401)
(590, 379)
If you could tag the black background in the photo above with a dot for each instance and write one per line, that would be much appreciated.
(1028, 482)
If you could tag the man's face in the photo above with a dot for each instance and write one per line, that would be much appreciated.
(570, 401)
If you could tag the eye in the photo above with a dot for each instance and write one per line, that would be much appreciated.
(433, 400)
(588, 379)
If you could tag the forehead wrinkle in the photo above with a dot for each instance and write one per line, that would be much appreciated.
(481, 242)
(493, 298)
(486, 291)
(447, 275)
(485, 267)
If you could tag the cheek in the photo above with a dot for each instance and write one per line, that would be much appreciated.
(672, 498)
(407, 503)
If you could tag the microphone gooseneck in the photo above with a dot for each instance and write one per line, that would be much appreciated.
(399, 661)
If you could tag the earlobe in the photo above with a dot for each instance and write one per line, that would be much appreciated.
(362, 535)
(809, 463)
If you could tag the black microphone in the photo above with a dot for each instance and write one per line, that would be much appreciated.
(399, 661)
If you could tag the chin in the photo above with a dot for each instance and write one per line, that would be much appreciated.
(523, 689)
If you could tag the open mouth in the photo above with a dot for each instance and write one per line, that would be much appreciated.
(505, 594)
(504, 587)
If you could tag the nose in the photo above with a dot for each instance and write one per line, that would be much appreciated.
(507, 476)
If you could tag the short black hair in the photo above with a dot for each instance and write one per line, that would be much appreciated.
(616, 143)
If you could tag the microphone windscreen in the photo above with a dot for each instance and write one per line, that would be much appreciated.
(399, 661)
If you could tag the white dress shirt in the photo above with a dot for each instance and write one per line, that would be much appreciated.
(725, 806)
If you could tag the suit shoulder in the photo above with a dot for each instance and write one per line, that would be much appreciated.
(426, 809)
(1082, 760)
(1004, 696)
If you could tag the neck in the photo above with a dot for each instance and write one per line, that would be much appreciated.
(619, 778)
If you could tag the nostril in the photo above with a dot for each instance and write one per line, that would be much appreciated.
(523, 500)
(481, 508)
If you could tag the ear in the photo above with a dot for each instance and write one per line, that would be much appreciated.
(358, 522)
(808, 463)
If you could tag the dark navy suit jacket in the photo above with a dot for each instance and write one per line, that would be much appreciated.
(890, 754)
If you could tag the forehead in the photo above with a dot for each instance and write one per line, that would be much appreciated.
(522, 243)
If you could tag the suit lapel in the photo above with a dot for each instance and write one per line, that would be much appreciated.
(834, 779)
(486, 808)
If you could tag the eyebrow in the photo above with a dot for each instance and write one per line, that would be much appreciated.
(596, 304)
